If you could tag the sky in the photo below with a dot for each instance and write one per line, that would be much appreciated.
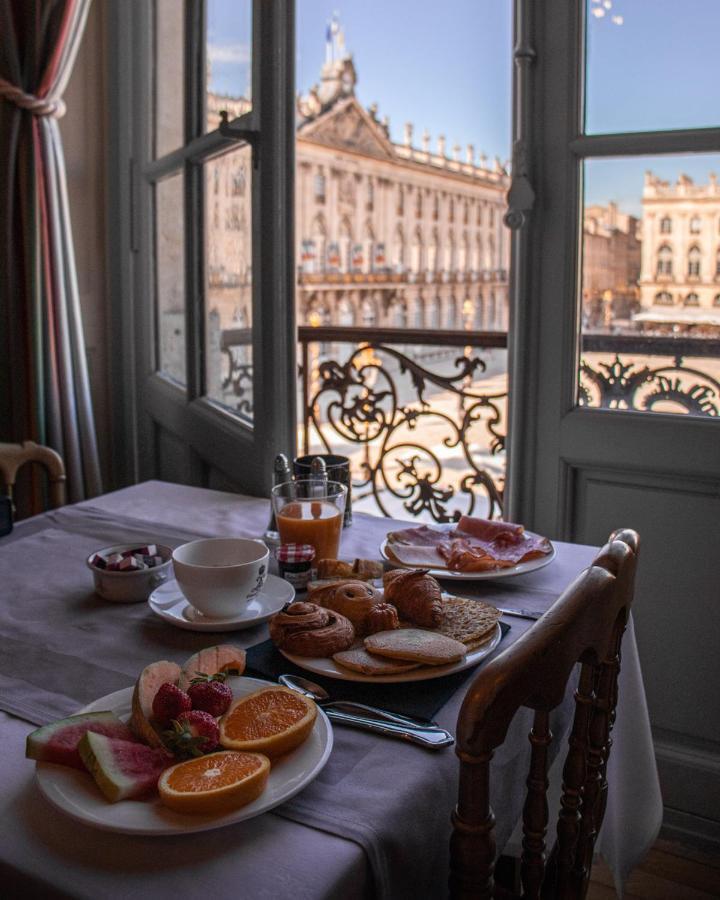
(446, 66)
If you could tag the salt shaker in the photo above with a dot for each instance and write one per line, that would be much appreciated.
(281, 473)
(318, 475)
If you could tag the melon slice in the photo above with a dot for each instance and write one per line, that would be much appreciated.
(58, 742)
(122, 769)
(211, 660)
(146, 687)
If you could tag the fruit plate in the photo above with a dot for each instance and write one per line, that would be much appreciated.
(76, 794)
(321, 665)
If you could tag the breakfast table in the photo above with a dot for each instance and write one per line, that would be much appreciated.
(375, 822)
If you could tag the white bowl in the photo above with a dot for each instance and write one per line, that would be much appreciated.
(220, 575)
(130, 587)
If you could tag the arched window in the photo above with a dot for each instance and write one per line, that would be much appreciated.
(663, 299)
(695, 225)
(319, 185)
(692, 300)
(694, 259)
(418, 204)
(664, 260)
(370, 194)
(400, 207)
(666, 225)
(451, 210)
(346, 245)
(479, 214)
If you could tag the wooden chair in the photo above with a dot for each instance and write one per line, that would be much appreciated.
(14, 456)
(585, 625)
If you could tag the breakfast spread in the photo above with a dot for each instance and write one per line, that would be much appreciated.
(473, 545)
(187, 738)
(407, 625)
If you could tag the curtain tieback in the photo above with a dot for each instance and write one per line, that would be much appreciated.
(36, 105)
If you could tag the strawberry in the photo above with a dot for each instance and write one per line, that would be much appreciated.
(193, 734)
(210, 693)
(169, 703)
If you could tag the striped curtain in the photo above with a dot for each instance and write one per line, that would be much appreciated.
(44, 385)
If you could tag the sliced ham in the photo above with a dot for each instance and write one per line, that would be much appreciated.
(487, 530)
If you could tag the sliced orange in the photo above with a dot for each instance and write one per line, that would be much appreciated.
(218, 782)
(272, 721)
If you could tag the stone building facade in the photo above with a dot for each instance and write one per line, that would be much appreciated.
(680, 272)
(611, 266)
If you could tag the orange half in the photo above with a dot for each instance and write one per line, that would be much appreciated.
(272, 721)
(218, 782)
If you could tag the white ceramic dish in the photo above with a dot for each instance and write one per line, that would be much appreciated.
(326, 666)
(531, 565)
(76, 794)
(129, 587)
(169, 602)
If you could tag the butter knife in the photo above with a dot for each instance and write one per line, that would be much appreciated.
(430, 738)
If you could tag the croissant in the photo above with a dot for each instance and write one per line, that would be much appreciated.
(382, 617)
(334, 568)
(367, 569)
(353, 599)
(416, 595)
(309, 630)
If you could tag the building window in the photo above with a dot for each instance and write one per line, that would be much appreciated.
(400, 209)
(491, 217)
(238, 183)
(451, 210)
(664, 260)
(694, 258)
(436, 207)
(695, 225)
(367, 313)
(370, 195)
(663, 299)
(479, 214)
(319, 185)
(666, 225)
(418, 204)
(692, 300)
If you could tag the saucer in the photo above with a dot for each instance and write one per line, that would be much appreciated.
(169, 602)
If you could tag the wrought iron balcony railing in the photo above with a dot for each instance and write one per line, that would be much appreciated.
(422, 413)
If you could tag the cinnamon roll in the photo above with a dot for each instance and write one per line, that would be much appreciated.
(307, 629)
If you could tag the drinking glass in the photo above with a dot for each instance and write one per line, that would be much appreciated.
(308, 511)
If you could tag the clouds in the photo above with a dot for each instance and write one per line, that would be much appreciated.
(233, 54)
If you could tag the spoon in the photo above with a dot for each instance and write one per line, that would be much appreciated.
(321, 696)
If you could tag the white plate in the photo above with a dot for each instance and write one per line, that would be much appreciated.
(77, 795)
(532, 565)
(321, 665)
(169, 602)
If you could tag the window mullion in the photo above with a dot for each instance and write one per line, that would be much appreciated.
(649, 142)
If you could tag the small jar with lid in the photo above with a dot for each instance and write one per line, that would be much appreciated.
(296, 563)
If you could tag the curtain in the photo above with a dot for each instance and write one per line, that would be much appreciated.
(44, 383)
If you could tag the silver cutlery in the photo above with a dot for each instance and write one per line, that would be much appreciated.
(370, 718)
(520, 613)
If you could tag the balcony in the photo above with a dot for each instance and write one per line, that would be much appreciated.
(423, 414)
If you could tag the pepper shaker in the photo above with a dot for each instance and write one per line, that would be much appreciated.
(281, 473)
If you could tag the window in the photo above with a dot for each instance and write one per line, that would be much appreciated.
(400, 207)
(695, 225)
(418, 204)
(370, 195)
(451, 210)
(479, 214)
(663, 299)
(466, 212)
(319, 186)
(666, 225)
(664, 260)
(692, 300)
(694, 260)
(436, 206)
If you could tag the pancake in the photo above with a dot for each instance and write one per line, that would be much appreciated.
(471, 622)
(359, 660)
(417, 645)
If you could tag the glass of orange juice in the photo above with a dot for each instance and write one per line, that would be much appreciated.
(310, 512)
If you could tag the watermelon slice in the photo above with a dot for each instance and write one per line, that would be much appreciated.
(210, 661)
(58, 742)
(122, 769)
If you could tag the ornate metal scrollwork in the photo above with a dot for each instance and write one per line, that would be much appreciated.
(239, 381)
(664, 388)
(413, 450)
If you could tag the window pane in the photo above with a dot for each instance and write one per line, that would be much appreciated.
(651, 66)
(229, 59)
(169, 75)
(228, 289)
(170, 277)
(651, 284)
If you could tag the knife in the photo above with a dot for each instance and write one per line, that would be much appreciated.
(431, 738)
(521, 613)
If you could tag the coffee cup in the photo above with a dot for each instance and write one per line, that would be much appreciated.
(219, 576)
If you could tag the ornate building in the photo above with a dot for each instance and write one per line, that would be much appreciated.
(392, 234)
(680, 273)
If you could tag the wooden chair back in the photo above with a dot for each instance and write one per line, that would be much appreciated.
(14, 456)
(585, 625)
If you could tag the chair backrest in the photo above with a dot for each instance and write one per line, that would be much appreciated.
(585, 625)
(14, 456)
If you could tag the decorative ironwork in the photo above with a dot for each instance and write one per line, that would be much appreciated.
(662, 388)
(238, 382)
(360, 401)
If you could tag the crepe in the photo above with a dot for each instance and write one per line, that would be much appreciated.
(471, 622)
(417, 645)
